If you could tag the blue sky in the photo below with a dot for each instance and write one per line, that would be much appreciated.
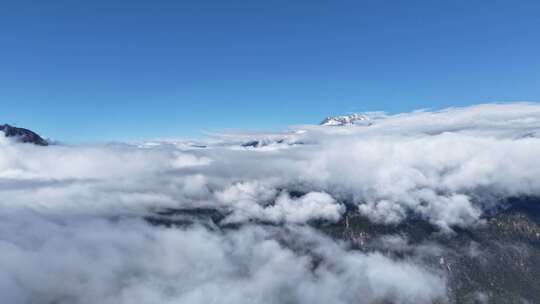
(130, 70)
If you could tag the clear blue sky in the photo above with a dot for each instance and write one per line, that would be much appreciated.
(128, 70)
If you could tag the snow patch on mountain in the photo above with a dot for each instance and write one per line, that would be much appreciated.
(356, 118)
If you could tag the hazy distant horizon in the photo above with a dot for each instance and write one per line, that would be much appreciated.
(205, 134)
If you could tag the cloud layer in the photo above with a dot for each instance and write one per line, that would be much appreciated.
(71, 216)
(88, 260)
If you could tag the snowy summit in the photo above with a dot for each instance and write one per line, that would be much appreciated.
(351, 119)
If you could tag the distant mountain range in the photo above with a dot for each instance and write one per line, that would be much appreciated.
(27, 136)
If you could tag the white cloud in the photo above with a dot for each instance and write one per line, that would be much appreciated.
(57, 202)
(184, 160)
(445, 166)
(249, 202)
(89, 260)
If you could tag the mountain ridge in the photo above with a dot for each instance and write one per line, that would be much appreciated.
(23, 135)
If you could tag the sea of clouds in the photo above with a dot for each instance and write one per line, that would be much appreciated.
(72, 226)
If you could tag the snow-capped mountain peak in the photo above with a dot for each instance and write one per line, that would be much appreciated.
(351, 119)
